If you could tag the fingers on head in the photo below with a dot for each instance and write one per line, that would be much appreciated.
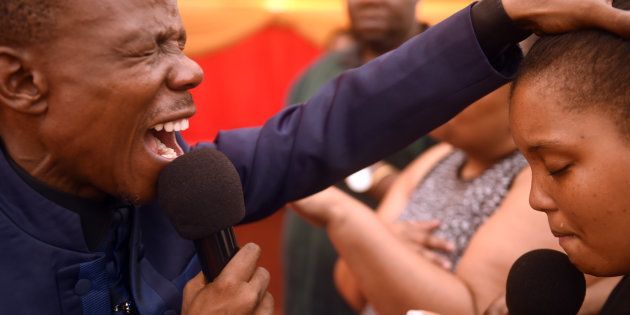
(611, 19)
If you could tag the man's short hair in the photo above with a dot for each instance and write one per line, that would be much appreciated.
(25, 22)
(589, 69)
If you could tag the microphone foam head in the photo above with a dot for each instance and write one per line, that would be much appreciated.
(201, 193)
(544, 281)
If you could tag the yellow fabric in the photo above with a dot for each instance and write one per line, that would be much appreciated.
(214, 24)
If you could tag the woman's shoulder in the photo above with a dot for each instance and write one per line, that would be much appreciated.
(424, 163)
(400, 191)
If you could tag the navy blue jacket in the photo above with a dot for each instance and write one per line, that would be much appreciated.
(360, 117)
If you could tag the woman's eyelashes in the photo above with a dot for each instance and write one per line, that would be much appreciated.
(557, 171)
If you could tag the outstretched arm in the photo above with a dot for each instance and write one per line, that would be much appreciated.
(388, 211)
(396, 98)
(364, 115)
(392, 277)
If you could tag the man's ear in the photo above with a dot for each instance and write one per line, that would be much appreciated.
(22, 88)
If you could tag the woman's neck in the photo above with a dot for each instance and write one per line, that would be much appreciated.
(479, 159)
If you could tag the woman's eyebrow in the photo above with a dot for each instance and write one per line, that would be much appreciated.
(542, 145)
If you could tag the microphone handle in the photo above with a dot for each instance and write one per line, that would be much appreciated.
(215, 252)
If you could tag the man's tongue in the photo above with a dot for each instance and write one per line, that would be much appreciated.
(165, 151)
(164, 144)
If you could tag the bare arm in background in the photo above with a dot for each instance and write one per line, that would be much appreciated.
(395, 279)
(388, 211)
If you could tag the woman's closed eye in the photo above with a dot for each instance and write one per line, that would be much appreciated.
(559, 170)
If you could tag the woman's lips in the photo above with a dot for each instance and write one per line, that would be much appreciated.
(564, 237)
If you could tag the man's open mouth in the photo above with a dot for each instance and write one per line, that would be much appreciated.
(162, 139)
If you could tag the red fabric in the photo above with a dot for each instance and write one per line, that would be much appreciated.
(247, 83)
(244, 85)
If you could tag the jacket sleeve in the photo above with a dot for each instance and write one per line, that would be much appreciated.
(364, 115)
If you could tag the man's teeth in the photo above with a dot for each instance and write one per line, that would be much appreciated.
(176, 125)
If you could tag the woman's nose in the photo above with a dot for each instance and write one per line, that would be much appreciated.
(539, 199)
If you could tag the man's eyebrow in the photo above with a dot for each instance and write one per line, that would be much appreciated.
(183, 36)
(136, 36)
(160, 35)
(178, 33)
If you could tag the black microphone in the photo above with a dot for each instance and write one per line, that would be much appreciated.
(202, 195)
(544, 281)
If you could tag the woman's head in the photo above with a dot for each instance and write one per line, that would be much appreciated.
(482, 126)
(570, 116)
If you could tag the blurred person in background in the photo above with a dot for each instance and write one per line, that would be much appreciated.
(340, 40)
(376, 27)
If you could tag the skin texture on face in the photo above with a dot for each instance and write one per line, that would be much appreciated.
(482, 132)
(580, 165)
(117, 71)
(481, 125)
(383, 24)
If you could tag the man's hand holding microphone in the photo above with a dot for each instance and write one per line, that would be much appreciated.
(240, 289)
(202, 195)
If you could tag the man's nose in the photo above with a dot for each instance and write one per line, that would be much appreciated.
(185, 74)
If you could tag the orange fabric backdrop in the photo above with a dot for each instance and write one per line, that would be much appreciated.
(216, 24)
(244, 85)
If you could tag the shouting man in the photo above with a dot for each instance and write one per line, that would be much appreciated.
(92, 93)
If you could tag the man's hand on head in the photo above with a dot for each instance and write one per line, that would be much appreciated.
(240, 289)
(557, 16)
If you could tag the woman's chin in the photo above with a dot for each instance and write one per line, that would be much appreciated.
(596, 266)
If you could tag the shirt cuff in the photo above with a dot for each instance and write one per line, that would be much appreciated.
(495, 31)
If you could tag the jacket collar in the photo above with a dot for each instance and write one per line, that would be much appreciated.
(36, 215)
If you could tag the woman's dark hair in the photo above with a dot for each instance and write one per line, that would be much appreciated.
(589, 69)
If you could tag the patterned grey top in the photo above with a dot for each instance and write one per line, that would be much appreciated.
(460, 205)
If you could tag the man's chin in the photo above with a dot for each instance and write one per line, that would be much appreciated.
(372, 36)
(138, 185)
(138, 197)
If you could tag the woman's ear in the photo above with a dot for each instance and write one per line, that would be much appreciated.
(22, 88)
